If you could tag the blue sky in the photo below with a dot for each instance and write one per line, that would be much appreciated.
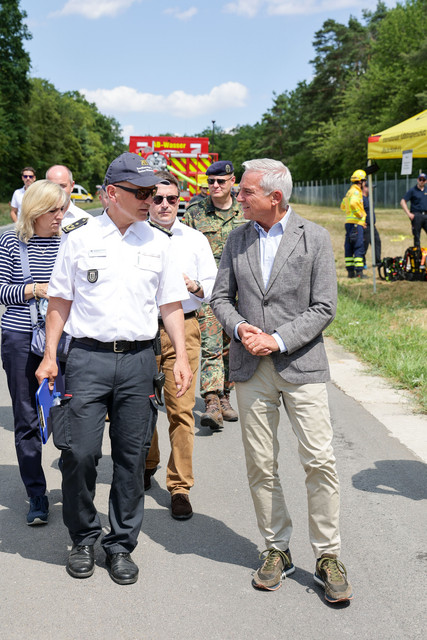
(163, 66)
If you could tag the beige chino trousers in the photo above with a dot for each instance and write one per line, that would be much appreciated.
(308, 411)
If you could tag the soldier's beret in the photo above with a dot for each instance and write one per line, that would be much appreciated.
(221, 168)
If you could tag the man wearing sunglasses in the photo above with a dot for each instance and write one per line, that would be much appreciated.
(418, 213)
(193, 259)
(215, 217)
(28, 176)
(111, 276)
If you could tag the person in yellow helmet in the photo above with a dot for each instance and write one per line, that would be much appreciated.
(352, 204)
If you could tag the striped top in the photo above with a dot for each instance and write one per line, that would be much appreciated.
(41, 256)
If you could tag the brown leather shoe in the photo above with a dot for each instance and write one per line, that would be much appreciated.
(213, 415)
(181, 506)
(228, 413)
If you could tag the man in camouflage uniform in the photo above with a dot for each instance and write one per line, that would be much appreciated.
(215, 217)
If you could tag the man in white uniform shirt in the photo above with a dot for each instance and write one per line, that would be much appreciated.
(60, 174)
(109, 273)
(194, 260)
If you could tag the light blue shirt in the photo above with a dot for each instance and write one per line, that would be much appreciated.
(268, 245)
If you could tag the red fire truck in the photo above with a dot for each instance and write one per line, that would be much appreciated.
(187, 158)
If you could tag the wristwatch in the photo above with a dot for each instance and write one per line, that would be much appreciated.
(199, 286)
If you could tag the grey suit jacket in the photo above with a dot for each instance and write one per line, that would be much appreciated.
(298, 303)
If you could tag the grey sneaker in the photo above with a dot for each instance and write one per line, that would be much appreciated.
(331, 574)
(277, 565)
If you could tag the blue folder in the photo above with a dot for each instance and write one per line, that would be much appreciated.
(44, 401)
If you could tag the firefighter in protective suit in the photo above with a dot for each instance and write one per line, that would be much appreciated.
(352, 204)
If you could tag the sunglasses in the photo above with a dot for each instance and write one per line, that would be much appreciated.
(142, 193)
(171, 199)
(24, 175)
(218, 180)
(421, 179)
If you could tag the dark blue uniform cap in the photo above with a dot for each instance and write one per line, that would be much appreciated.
(221, 168)
(130, 167)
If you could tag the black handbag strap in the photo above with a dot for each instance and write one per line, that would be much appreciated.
(23, 250)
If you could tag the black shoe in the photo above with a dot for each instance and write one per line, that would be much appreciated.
(122, 568)
(81, 561)
(147, 478)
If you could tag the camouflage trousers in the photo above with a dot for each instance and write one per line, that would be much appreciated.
(214, 371)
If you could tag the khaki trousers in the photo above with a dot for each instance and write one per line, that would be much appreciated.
(179, 474)
(308, 411)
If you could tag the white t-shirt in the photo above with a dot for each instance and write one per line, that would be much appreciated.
(115, 280)
(16, 201)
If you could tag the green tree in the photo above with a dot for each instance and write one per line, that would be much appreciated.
(14, 94)
(64, 128)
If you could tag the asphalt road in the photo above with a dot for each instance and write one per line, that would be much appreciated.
(195, 576)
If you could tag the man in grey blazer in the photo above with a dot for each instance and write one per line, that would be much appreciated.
(281, 269)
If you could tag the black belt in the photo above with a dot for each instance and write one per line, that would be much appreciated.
(118, 346)
(190, 314)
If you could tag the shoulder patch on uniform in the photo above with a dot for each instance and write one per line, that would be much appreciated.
(160, 228)
(75, 225)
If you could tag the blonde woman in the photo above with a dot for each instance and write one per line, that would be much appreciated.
(39, 227)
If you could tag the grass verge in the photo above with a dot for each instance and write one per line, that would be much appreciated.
(387, 329)
(5, 210)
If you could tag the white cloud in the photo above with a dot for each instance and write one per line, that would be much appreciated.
(127, 131)
(182, 15)
(250, 8)
(94, 9)
(178, 103)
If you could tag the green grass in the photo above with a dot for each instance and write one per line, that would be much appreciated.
(388, 329)
(5, 210)
(384, 336)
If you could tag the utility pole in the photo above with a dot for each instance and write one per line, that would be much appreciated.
(213, 135)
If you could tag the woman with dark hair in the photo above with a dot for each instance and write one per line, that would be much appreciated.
(39, 228)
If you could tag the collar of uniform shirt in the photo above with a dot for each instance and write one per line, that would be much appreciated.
(269, 243)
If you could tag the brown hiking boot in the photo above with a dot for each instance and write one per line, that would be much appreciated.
(212, 417)
(228, 413)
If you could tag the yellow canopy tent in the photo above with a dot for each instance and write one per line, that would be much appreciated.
(411, 134)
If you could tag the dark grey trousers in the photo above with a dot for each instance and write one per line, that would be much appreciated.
(122, 384)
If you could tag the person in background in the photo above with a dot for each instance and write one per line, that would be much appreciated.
(418, 213)
(203, 193)
(28, 176)
(60, 174)
(193, 258)
(352, 205)
(367, 229)
(39, 227)
(215, 217)
(103, 197)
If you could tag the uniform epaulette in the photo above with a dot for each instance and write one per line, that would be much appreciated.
(75, 225)
(160, 228)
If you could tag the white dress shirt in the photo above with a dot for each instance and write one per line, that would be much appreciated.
(192, 255)
(268, 245)
(114, 280)
(73, 213)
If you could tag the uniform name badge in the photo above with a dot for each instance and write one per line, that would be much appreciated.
(92, 275)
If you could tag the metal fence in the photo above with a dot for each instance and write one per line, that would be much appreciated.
(388, 192)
